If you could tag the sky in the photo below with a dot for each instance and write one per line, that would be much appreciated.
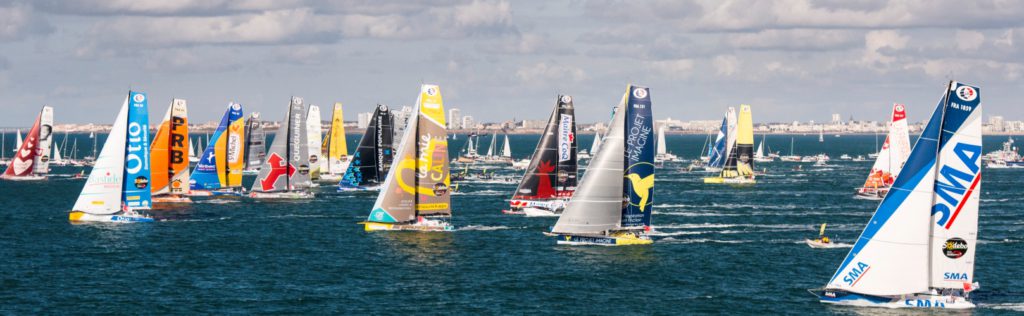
(498, 60)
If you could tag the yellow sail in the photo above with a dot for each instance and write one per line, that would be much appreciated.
(337, 148)
(739, 166)
(822, 231)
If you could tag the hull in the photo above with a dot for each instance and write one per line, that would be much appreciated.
(931, 301)
(215, 193)
(24, 178)
(251, 172)
(345, 188)
(330, 178)
(422, 227)
(871, 193)
(816, 243)
(171, 199)
(619, 240)
(82, 217)
(293, 195)
(720, 180)
(539, 212)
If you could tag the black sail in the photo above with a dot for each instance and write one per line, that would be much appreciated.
(552, 170)
(372, 159)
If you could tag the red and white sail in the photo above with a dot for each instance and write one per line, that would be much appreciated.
(894, 152)
(32, 158)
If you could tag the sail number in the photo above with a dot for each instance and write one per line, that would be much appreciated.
(961, 107)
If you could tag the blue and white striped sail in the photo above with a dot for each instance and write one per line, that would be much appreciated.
(893, 254)
(724, 141)
(211, 171)
(716, 154)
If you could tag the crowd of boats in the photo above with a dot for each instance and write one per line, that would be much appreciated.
(918, 246)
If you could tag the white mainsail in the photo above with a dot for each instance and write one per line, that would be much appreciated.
(596, 144)
(661, 150)
(102, 192)
(597, 204)
(17, 145)
(903, 248)
(314, 140)
(506, 149)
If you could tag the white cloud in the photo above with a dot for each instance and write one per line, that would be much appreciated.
(726, 65)
(877, 43)
(19, 21)
(545, 72)
(968, 40)
(678, 68)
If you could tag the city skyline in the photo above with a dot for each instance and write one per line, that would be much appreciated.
(793, 60)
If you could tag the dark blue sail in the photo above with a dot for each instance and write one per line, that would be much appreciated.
(638, 181)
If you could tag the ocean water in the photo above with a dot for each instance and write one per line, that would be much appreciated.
(718, 250)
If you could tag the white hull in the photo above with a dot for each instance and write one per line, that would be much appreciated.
(539, 212)
(25, 178)
(330, 178)
(293, 195)
(813, 243)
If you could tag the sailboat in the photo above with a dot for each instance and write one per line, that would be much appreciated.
(918, 249)
(506, 150)
(822, 241)
(192, 157)
(821, 135)
(723, 142)
(469, 153)
(335, 149)
(255, 144)
(894, 153)
(285, 173)
(219, 172)
(791, 157)
(759, 155)
(168, 159)
(739, 166)
(372, 159)
(314, 129)
(416, 194)
(493, 156)
(551, 177)
(613, 203)
(57, 159)
(32, 158)
(118, 185)
(661, 154)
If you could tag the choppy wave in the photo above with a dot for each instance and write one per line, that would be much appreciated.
(1018, 307)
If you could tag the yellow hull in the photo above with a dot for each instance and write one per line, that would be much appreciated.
(720, 180)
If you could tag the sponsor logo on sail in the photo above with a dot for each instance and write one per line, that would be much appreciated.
(139, 98)
(565, 137)
(639, 93)
(956, 182)
(856, 273)
(566, 99)
(954, 248)
(966, 93)
(955, 276)
(141, 182)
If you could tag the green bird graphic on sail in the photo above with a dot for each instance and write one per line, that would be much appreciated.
(641, 187)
